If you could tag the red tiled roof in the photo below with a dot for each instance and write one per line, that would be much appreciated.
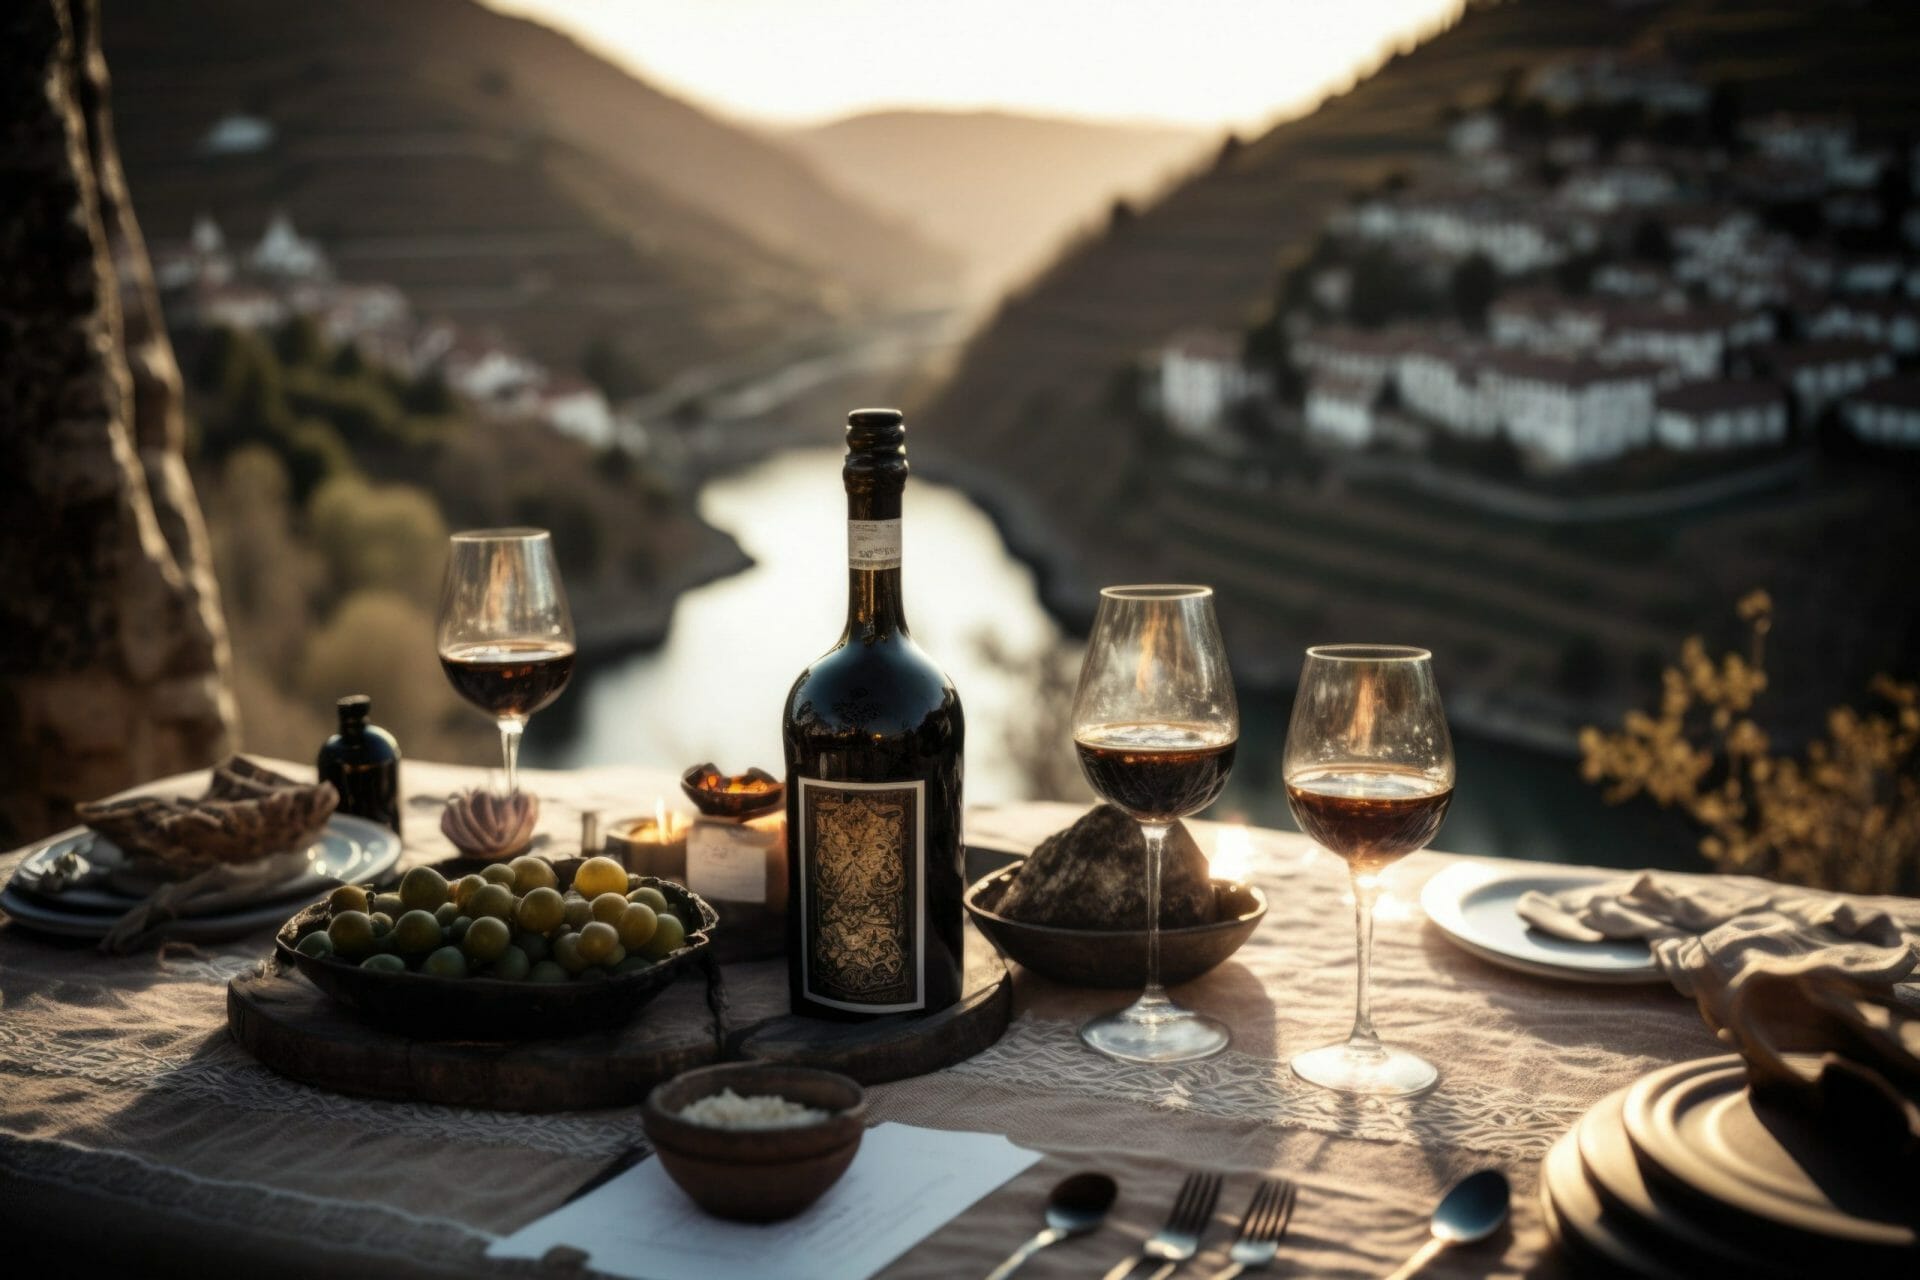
(1720, 393)
(1901, 391)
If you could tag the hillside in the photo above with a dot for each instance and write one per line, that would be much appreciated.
(499, 173)
(1004, 190)
(1041, 410)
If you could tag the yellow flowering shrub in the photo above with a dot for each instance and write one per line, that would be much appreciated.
(1844, 816)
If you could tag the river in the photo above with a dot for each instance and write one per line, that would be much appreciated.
(714, 689)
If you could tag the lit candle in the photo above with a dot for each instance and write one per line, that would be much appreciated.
(655, 846)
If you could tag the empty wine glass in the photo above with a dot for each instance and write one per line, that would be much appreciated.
(1369, 773)
(1155, 724)
(505, 635)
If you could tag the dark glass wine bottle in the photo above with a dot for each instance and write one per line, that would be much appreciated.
(362, 761)
(874, 739)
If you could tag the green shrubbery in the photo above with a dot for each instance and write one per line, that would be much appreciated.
(330, 485)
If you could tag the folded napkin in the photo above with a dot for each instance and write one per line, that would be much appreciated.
(1779, 974)
(222, 885)
(1706, 934)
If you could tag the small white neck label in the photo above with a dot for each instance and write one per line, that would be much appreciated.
(873, 544)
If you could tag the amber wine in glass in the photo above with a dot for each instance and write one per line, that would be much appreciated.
(1155, 724)
(1369, 773)
(506, 634)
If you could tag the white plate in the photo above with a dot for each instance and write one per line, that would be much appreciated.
(1475, 905)
(350, 849)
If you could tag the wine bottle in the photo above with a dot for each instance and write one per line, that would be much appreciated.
(362, 761)
(874, 738)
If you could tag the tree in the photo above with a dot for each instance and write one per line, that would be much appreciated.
(1651, 242)
(1474, 285)
(114, 664)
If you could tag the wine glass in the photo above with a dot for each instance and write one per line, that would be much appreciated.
(505, 636)
(1369, 774)
(1155, 724)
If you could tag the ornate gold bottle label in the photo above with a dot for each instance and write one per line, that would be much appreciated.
(863, 898)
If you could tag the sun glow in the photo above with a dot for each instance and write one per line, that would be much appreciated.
(1238, 63)
(1232, 857)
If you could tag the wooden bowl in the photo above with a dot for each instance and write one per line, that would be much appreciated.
(756, 1175)
(429, 1008)
(1116, 957)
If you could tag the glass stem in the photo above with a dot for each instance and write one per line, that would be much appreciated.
(1156, 834)
(510, 731)
(1366, 889)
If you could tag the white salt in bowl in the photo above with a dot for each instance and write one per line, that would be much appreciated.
(756, 1174)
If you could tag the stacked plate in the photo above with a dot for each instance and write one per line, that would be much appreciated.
(1680, 1176)
(84, 896)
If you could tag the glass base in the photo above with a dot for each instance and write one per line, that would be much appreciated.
(1381, 1072)
(1156, 1030)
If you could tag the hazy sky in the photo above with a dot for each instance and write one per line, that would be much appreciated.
(1212, 62)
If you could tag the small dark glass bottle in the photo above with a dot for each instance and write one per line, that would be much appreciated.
(362, 761)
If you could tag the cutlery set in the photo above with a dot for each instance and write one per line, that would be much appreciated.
(1472, 1210)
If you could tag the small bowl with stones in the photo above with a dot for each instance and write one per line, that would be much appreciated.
(755, 1142)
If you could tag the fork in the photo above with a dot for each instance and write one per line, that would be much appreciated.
(1179, 1240)
(1262, 1227)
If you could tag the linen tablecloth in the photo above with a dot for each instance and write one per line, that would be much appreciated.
(133, 1129)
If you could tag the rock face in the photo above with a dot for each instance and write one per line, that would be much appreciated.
(1093, 876)
(113, 651)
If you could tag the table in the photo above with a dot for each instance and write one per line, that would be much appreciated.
(131, 1127)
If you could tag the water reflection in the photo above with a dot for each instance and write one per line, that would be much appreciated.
(715, 689)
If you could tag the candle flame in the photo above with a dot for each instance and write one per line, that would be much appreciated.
(1232, 857)
(660, 814)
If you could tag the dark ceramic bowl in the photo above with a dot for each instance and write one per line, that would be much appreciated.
(429, 1008)
(756, 1175)
(1116, 957)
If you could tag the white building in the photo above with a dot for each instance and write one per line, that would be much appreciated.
(576, 408)
(202, 260)
(237, 306)
(490, 372)
(1516, 236)
(1889, 322)
(1822, 371)
(1440, 382)
(1351, 353)
(1474, 134)
(1886, 412)
(1343, 409)
(1547, 322)
(1634, 280)
(1608, 188)
(1720, 414)
(1571, 411)
(237, 135)
(1813, 139)
(1201, 377)
(1694, 340)
(1609, 79)
(282, 251)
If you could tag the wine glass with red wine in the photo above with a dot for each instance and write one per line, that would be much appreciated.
(1369, 773)
(1155, 723)
(506, 635)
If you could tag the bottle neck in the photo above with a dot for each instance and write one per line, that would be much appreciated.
(875, 610)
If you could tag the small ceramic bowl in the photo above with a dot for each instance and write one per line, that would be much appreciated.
(756, 1175)
(1116, 958)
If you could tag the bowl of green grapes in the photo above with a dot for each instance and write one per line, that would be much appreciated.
(527, 949)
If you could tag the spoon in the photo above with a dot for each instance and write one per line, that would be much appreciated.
(1472, 1210)
(1076, 1206)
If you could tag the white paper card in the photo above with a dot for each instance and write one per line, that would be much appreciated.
(727, 861)
(905, 1184)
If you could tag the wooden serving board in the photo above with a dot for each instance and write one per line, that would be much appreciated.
(291, 1026)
